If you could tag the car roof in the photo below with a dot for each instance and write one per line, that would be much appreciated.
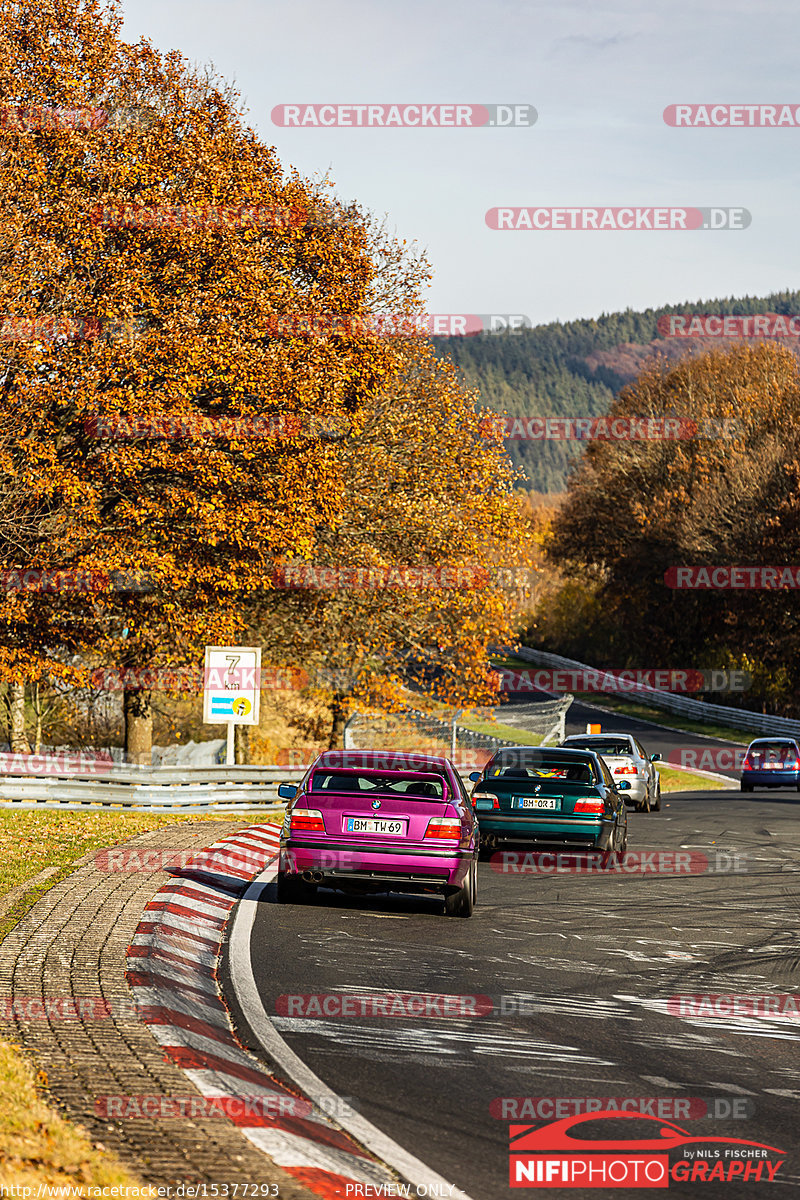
(560, 751)
(383, 760)
(603, 737)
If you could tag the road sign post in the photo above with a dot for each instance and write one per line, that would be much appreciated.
(231, 689)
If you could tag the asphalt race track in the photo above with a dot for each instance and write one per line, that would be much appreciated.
(655, 739)
(579, 968)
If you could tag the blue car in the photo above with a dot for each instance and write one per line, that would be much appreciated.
(550, 796)
(771, 762)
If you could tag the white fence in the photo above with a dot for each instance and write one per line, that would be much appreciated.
(697, 710)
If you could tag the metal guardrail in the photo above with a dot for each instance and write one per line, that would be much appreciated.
(698, 710)
(154, 789)
(157, 789)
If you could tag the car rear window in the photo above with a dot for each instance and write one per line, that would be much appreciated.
(429, 788)
(611, 746)
(774, 751)
(570, 771)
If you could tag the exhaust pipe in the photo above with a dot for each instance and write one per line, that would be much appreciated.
(312, 876)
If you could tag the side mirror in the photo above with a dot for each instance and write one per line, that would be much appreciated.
(623, 786)
(474, 776)
(655, 758)
(287, 791)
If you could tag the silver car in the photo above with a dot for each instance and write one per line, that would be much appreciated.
(626, 759)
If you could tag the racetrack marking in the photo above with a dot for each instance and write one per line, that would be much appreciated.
(246, 989)
(729, 1087)
(172, 965)
(383, 1042)
(662, 1082)
(771, 1027)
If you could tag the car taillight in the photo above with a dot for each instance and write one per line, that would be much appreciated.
(630, 770)
(747, 763)
(443, 827)
(594, 805)
(485, 796)
(308, 819)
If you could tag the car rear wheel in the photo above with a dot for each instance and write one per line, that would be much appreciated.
(462, 902)
(746, 787)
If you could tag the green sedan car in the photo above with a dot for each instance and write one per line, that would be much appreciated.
(551, 797)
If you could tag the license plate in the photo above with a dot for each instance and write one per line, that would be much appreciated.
(537, 802)
(375, 825)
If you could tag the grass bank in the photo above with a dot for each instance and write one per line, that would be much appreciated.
(37, 1145)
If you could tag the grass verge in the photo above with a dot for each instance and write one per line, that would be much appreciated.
(645, 712)
(498, 730)
(37, 1145)
(685, 781)
(31, 842)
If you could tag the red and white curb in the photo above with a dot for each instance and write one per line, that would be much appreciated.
(172, 971)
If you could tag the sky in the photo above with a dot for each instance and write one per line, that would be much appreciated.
(599, 77)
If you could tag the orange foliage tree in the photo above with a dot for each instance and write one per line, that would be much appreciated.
(146, 250)
(425, 489)
(635, 509)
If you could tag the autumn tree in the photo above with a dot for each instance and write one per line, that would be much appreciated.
(175, 317)
(426, 489)
(637, 508)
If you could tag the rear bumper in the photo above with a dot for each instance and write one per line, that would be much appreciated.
(637, 792)
(766, 779)
(424, 866)
(591, 832)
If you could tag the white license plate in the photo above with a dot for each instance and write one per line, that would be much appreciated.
(538, 802)
(374, 825)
